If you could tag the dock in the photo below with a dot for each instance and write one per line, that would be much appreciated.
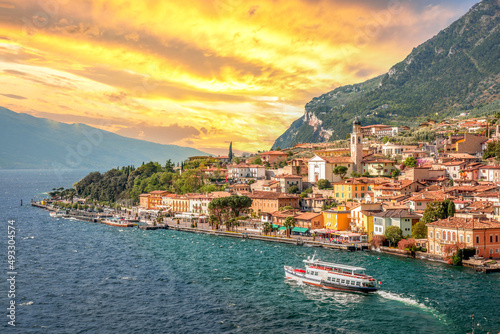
(298, 241)
(151, 227)
(482, 265)
(291, 241)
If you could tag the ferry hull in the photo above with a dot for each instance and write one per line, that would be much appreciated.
(298, 276)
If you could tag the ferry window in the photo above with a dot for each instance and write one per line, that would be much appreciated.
(358, 283)
(343, 281)
(338, 280)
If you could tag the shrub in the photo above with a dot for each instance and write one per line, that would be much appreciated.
(409, 244)
(377, 241)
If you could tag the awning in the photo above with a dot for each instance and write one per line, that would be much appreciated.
(282, 228)
(300, 229)
(275, 226)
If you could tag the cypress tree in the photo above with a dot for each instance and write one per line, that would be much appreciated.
(230, 155)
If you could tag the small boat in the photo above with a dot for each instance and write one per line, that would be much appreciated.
(332, 276)
(58, 214)
(118, 222)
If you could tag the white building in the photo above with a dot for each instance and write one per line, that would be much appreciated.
(244, 171)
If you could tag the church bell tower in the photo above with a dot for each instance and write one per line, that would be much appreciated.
(357, 146)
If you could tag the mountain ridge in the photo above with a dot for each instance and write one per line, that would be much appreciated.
(32, 142)
(454, 71)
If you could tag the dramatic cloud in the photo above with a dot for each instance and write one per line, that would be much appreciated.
(201, 72)
(13, 96)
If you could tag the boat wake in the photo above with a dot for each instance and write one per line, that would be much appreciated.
(404, 300)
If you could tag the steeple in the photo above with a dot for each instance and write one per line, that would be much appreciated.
(357, 146)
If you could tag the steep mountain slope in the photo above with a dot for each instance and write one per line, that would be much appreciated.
(456, 70)
(30, 142)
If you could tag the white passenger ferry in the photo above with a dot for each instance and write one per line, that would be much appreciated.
(332, 276)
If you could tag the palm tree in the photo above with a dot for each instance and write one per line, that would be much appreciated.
(267, 227)
(289, 223)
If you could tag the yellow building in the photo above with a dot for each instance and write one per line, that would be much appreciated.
(355, 188)
(362, 218)
(144, 201)
(337, 219)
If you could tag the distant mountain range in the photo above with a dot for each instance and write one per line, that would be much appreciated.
(455, 71)
(31, 142)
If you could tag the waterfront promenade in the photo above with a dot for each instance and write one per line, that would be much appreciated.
(238, 232)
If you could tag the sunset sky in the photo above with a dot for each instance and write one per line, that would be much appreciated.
(200, 73)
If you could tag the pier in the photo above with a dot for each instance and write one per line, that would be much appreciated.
(254, 235)
(482, 265)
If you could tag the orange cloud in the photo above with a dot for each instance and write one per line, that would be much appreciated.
(240, 71)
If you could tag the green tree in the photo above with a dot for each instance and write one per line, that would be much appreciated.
(238, 204)
(410, 162)
(450, 207)
(305, 192)
(293, 189)
(393, 234)
(437, 210)
(340, 171)
(395, 173)
(289, 223)
(419, 230)
(257, 161)
(323, 184)
(169, 166)
(385, 139)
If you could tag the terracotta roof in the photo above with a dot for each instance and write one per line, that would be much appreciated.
(287, 176)
(467, 223)
(158, 192)
(284, 214)
(270, 195)
(377, 160)
(490, 167)
(308, 215)
(144, 195)
(396, 213)
(273, 153)
(454, 163)
(337, 160)
(428, 196)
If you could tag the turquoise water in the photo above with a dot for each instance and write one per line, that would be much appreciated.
(82, 277)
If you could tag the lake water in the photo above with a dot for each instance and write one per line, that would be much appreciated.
(76, 277)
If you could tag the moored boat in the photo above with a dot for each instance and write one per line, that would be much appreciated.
(58, 214)
(118, 222)
(332, 276)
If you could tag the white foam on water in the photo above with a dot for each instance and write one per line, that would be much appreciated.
(27, 303)
(404, 300)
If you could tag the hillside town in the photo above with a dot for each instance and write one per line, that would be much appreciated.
(440, 195)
